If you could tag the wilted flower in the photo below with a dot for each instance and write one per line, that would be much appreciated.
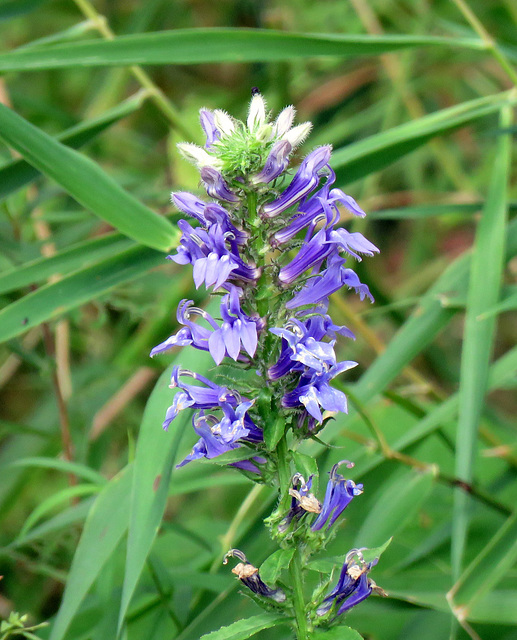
(338, 496)
(249, 576)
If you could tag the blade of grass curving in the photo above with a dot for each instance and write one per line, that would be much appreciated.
(67, 261)
(19, 173)
(105, 525)
(219, 45)
(53, 300)
(154, 461)
(86, 182)
(485, 571)
(366, 156)
(56, 499)
(486, 272)
(78, 469)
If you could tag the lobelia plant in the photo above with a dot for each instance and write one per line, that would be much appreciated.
(271, 248)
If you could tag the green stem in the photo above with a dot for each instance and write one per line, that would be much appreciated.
(284, 472)
(295, 569)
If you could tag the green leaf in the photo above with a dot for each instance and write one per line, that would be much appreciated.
(485, 571)
(243, 629)
(56, 499)
(273, 431)
(337, 633)
(272, 567)
(86, 182)
(105, 525)
(67, 261)
(397, 503)
(486, 272)
(19, 173)
(53, 300)
(181, 46)
(362, 158)
(76, 468)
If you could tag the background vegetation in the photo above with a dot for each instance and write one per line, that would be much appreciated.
(417, 99)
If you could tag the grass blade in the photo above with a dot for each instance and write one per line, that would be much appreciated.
(105, 525)
(486, 272)
(19, 173)
(86, 182)
(182, 46)
(53, 300)
(362, 158)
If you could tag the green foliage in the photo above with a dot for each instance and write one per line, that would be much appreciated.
(107, 536)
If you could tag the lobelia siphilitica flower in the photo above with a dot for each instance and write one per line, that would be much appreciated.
(268, 241)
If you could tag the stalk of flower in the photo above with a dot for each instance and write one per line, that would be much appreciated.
(272, 248)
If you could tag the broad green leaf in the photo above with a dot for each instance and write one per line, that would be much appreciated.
(337, 633)
(76, 468)
(53, 300)
(485, 571)
(219, 45)
(105, 525)
(18, 173)
(486, 272)
(272, 567)
(361, 158)
(56, 499)
(247, 628)
(86, 182)
(397, 503)
(66, 261)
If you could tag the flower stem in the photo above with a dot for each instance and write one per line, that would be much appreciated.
(295, 569)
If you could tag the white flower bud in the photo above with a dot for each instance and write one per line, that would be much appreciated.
(198, 156)
(284, 121)
(297, 135)
(257, 112)
(224, 122)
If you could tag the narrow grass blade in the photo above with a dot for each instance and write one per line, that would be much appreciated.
(78, 469)
(362, 158)
(55, 500)
(105, 525)
(396, 504)
(72, 259)
(53, 300)
(86, 182)
(486, 272)
(182, 46)
(485, 571)
(19, 173)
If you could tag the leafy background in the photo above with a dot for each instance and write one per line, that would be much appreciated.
(99, 533)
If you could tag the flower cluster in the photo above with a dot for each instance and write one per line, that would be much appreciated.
(270, 243)
(276, 252)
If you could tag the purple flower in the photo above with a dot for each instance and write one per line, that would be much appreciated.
(212, 133)
(310, 255)
(338, 496)
(315, 393)
(322, 285)
(236, 329)
(305, 180)
(301, 351)
(352, 243)
(353, 585)
(206, 397)
(216, 185)
(276, 162)
(213, 261)
(302, 501)
(218, 437)
(249, 576)
(191, 333)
